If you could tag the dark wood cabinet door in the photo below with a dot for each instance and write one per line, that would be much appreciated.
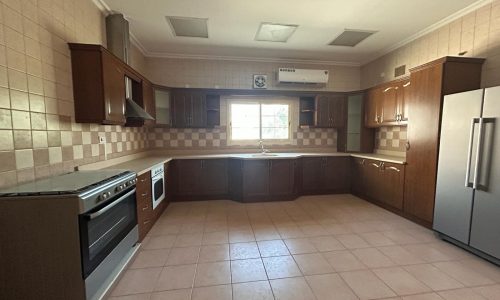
(392, 182)
(189, 174)
(114, 90)
(338, 111)
(282, 177)
(357, 176)
(180, 109)
(255, 178)
(336, 174)
(372, 180)
(323, 118)
(198, 110)
(214, 177)
(390, 103)
(423, 139)
(371, 108)
(312, 175)
(403, 97)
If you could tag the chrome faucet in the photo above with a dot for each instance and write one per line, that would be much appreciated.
(262, 149)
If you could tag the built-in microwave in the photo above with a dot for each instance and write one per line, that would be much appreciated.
(157, 184)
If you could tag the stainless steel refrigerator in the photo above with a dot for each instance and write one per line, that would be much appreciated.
(467, 209)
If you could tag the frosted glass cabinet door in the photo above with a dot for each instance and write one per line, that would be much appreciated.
(162, 101)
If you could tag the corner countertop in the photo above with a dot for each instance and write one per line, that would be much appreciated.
(144, 164)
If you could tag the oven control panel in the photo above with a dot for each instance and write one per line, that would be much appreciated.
(157, 170)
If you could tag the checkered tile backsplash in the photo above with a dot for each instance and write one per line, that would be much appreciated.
(177, 138)
(391, 138)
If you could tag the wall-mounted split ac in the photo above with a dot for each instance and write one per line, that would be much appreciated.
(305, 76)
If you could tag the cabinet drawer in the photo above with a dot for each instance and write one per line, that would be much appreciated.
(144, 180)
(143, 196)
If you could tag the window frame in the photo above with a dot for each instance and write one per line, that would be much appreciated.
(260, 101)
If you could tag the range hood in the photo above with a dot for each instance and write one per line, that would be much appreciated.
(132, 109)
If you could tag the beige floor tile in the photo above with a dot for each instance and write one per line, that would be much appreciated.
(483, 267)
(161, 228)
(463, 274)
(183, 256)
(218, 292)
(257, 290)
(137, 281)
(401, 282)
(192, 227)
(176, 277)
(313, 230)
(215, 237)
(427, 296)
(433, 277)
(326, 243)
(188, 239)
(150, 258)
(213, 273)
(241, 236)
(267, 233)
(400, 255)
(291, 289)
(343, 261)
(281, 267)
(300, 246)
(215, 226)
(272, 248)
(372, 258)
(427, 253)
(352, 241)
(313, 263)
(244, 250)
(210, 253)
(336, 229)
(366, 285)
(246, 270)
(491, 292)
(400, 237)
(132, 297)
(461, 294)
(376, 239)
(159, 242)
(184, 294)
(290, 232)
(330, 287)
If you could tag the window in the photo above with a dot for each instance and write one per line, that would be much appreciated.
(254, 120)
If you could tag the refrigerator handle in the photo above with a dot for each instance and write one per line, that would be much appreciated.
(479, 153)
(469, 153)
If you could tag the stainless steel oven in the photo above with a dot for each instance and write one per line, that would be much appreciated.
(157, 184)
(104, 227)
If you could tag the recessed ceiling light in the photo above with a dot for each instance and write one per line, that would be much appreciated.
(351, 37)
(271, 32)
(188, 27)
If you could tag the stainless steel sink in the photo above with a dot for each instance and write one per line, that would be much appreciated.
(264, 154)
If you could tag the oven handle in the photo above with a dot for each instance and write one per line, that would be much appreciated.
(110, 206)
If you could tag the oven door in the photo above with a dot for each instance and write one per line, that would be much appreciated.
(104, 227)
(158, 189)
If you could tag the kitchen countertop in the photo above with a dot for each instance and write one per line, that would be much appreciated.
(144, 164)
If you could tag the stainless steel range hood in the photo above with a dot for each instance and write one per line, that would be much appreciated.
(132, 109)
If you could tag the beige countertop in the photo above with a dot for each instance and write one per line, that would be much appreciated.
(144, 164)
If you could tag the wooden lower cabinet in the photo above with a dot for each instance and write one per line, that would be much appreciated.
(323, 175)
(197, 178)
(145, 216)
(255, 179)
(282, 174)
(379, 182)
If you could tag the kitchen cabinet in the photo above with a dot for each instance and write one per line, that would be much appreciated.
(429, 83)
(373, 104)
(99, 86)
(201, 178)
(194, 109)
(145, 215)
(387, 104)
(148, 102)
(282, 174)
(330, 111)
(358, 176)
(321, 175)
(161, 100)
(392, 185)
(355, 137)
(255, 178)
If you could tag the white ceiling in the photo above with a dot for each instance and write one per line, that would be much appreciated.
(232, 25)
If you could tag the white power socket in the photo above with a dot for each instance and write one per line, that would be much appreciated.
(102, 139)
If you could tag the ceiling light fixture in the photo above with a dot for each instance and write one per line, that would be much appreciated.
(188, 27)
(272, 32)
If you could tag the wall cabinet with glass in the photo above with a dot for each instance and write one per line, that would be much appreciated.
(355, 137)
(162, 103)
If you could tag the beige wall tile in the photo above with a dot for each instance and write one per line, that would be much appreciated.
(4, 98)
(19, 100)
(6, 140)
(22, 139)
(24, 158)
(21, 119)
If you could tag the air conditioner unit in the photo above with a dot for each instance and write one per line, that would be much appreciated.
(292, 75)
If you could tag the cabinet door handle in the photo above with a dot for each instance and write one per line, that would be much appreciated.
(145, 207)
(144, 194)
(394, 169)
(407, 145)
(375, 165)
(146, 222)
(407, 84)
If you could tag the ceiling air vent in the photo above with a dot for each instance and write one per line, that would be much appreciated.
(400, 71)
(189, 27)
(351, 37)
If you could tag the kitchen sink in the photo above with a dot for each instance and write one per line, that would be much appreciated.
(264, 154)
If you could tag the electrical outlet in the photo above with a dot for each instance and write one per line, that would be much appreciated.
(102, 139)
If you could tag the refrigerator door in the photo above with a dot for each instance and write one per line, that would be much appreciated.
(485, 229)
(459, 136)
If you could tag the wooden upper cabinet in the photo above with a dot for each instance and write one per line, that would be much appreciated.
(190, 110)
(387, 104)
(322, 111)
(148, 101)
(390, 103)
(373, 107)
(331, 111)
(403, 98)
(99, 86)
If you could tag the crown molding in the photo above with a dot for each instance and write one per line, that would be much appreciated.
(457, 15)
(251, 59)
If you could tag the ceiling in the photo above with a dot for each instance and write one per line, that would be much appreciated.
(232, 25)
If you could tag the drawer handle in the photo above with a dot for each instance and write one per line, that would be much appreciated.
(375, 165)
(145, 207)
(144, 194)
(394, 169)
(143, 180)
(146, 222)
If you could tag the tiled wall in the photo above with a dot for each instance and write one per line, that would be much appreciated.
(478, 33)
(391, 138)
(37, 135)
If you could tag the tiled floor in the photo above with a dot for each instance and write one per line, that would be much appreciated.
(317, 247)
